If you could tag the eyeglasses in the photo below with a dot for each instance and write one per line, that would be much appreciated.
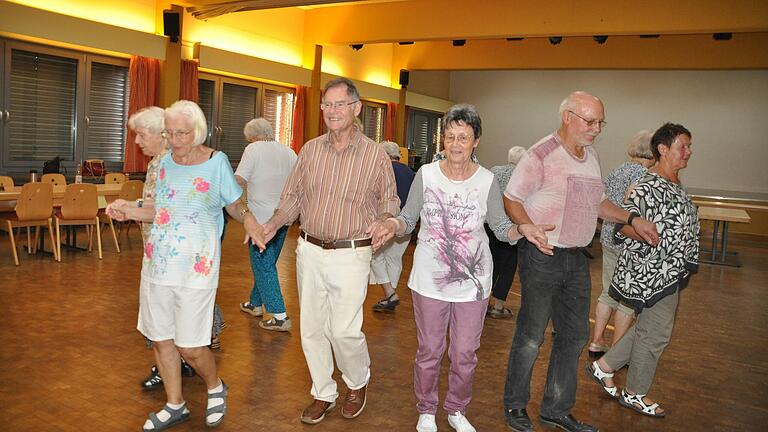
(325, 106)
(176, 134)
(462, 139)
(590, 123)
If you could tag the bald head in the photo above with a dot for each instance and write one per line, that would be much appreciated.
(577, 99)
(582, 118)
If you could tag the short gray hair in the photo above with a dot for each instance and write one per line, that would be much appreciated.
(194, 114)
(391, 149)
(259, 129)
(351, 87)
(571, 102)
(151, 118)
(463, 113)
(640, 146)
(515, 154)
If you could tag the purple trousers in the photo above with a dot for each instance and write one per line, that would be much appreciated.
(434, 320)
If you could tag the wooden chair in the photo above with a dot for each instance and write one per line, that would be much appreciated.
(130, 191)
(114, 178)
(79, 207)
(33, 209)
(6, 181)
(55, 179)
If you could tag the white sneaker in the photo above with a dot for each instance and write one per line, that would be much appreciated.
(460, 423)
(426, 423)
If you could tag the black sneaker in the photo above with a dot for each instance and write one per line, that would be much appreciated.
(386, 305)
(153, 381)
(187, 370)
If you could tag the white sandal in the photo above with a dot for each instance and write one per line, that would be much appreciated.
(597, 374)
(637, 403)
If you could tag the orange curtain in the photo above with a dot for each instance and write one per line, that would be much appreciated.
(299, 108)
(188, 82)
(391, 122)
(144, 79)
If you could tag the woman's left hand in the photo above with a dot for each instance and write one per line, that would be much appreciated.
(254, 232)
(647, 230)
(381, 232)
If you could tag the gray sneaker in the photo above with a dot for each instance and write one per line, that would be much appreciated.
(275, 324)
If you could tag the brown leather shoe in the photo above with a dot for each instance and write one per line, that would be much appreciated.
(354, 403)
(315, 412)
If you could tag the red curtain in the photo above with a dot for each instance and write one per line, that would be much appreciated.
(144, 79)
(391, 122)
(299, 110)
(188, 82)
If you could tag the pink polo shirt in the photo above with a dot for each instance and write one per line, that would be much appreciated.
(557, 188)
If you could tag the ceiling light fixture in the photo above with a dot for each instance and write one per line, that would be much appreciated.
(515, 39)
(722, 36)
(649, 36)
(356, 47)
(405, 43)
(554, 40)
(600, 39)
(459, 42)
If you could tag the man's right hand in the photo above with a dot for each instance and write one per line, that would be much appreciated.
(537, 235)
(269, 231)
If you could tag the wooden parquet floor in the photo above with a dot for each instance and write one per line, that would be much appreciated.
(71, 359)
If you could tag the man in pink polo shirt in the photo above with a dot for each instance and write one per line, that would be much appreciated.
(558, 182)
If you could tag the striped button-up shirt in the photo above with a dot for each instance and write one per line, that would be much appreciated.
(339, 194)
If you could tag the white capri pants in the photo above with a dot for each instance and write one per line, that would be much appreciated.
(387, 263)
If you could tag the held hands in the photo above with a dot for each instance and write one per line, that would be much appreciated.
(537, 235)
(647, 230)
(117, 210)
(254, 232)
(382, 231)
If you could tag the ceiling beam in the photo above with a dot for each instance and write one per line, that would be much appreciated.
(492, 19)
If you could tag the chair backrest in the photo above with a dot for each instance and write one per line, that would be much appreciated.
(35, 202)
(55, 179)
(80, 201)
(131, 190)
(114, 178)
(6, 181)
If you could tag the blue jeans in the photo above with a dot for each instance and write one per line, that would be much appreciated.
(556, 287)
(266, 286)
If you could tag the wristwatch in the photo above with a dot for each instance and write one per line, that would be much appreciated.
(244, 211)
(139, 203)
(632, 216)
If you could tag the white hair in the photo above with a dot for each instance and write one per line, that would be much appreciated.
(391, 149)
(515, 154)
(151, 118)
(258, 129)
(194, 114)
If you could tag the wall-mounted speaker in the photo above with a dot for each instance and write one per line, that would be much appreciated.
(171, 28)
(404, 77)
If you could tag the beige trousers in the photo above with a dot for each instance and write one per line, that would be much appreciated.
(332, 287)
(388, 262)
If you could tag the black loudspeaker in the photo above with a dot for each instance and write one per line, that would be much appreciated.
(404, 76)
(171, 25)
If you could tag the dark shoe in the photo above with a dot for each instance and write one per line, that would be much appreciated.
(186, 369)
(518, 420)
(315, 412)
(596, 350)
(275, 324)
(153, 381)
(250, 309)
(567, 423)
(354, 403)
(496, 313)
(386, 305)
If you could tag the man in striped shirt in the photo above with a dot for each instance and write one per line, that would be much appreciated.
(343, 187)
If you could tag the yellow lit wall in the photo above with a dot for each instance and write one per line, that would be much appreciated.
(373, 63)
(133, 14)
(275, 35)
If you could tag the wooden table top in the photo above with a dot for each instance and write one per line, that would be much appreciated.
(724, 214)
(105, 190)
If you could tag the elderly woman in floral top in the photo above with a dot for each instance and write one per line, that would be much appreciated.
(648, 279)
(180, 272)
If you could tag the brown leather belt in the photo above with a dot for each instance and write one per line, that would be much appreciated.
(335, 244)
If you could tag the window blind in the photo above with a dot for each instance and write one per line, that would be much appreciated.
(205, 89)
(277, 109)
(107, 112)
(238, 107)
(42, 106)
(373, 121)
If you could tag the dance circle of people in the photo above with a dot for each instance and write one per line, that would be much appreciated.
(358, 205)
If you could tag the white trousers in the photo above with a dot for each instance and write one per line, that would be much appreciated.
(332, 287)
(388, 262)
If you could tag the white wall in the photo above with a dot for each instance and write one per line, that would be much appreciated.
(726, 111)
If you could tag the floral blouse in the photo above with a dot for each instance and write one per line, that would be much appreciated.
(616, 185)
(184, 246)
(645, 274)
(149, 188)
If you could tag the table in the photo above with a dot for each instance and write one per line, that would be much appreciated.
(719, 255)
